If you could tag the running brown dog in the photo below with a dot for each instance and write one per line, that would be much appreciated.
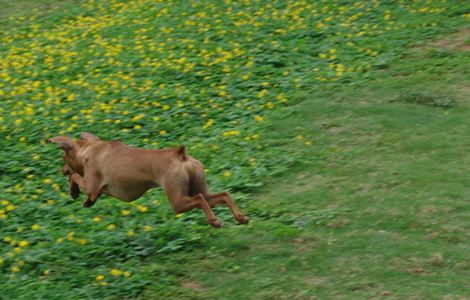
(113, 168)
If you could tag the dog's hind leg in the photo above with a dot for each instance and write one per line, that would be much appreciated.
(182, 203)
(225, 197)
(91, 187)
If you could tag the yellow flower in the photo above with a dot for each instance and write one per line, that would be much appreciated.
(126, 274)
(97, 219)
(99, 277)
(178, 216)
(209, 123)
(111, 227)
(71, 236)
(36, 227)
(147, 228)
(231, 133)
(130, 233)
(137, 117)
(259, 118)
(227, 174)
(47, 181)
(142, 208)
(125, 212)
(82, 242)
(116, 272)
(29, 110)
(23, 243)
(15, 269)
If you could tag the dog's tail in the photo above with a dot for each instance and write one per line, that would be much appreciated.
(181, 151)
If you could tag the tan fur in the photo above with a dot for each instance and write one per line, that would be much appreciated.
(113, 168)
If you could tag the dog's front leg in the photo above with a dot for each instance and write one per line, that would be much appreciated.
(91, 187)
(74, 189)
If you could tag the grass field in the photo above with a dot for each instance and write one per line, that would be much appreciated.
(341, 129)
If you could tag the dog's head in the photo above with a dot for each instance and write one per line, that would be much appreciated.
(72, 161)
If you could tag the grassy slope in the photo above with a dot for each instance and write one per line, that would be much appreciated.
(379, 208)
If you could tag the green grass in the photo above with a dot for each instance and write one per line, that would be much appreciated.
(378, 207)
(370, 137)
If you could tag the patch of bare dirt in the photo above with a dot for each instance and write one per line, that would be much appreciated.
(456, 41)
(192, 285)
(315, 281)
(305, 182)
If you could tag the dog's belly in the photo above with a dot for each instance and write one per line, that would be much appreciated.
(127, 193)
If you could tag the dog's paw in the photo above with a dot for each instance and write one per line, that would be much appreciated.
(75, 193)
(242, 219)
(215, 223)
(88, 203)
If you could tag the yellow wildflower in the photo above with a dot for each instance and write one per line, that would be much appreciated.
(142, 208)
(23, 243)
(99, 277)
(116, 272)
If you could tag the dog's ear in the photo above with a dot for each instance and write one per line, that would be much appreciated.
(86, 136)
(64, 142)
